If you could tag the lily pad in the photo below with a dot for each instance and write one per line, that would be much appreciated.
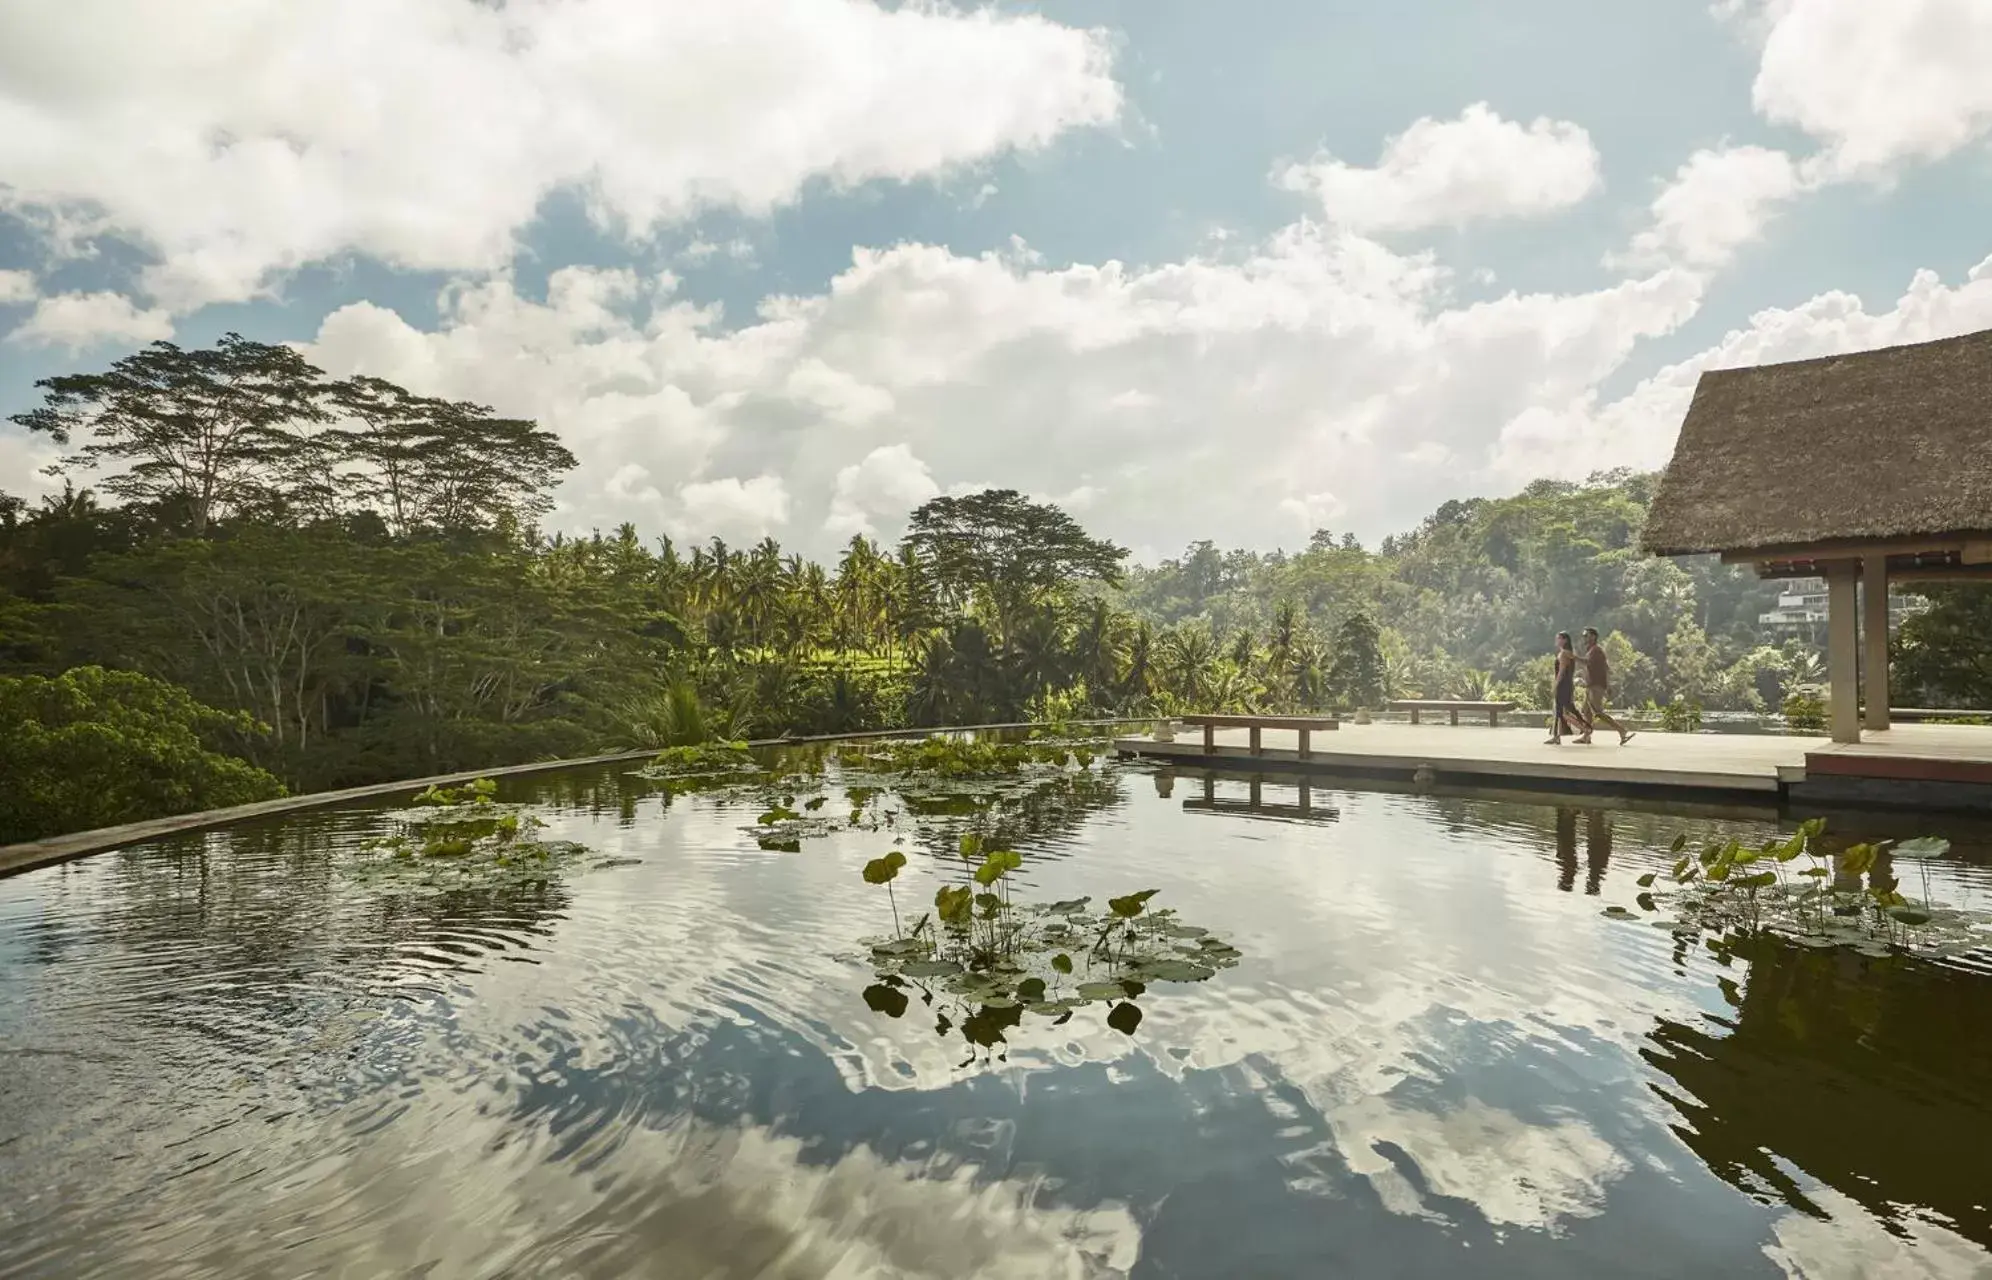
(889, 1001)
(1125, 1017)
(1171, 970)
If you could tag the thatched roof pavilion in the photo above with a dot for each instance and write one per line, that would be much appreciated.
(1860, 468)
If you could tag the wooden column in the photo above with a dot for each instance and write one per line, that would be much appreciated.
(1210, 739)
(1306, 744)
(1874, 655)
(1842, 649)
(1253, 738)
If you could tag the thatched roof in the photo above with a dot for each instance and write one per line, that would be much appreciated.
(1880, 444)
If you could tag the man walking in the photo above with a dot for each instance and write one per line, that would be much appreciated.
(1597, 683)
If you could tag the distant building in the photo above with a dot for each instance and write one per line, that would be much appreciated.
(1801, 610)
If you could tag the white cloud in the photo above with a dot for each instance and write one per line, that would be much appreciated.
(1879, 84)
(1451, 172)
(1313, 510)
(887, 484)
(1581, 436)
(241, 138)
(1279, 373)
(16, 287)
(840, 397)
(1719, 201)
(80, 320)
(700, 252)
(629, 482)
(22, 458)
(735, 509)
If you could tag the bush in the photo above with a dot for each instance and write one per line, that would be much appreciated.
(1805, 711)
(96, 748)
(1682, 715)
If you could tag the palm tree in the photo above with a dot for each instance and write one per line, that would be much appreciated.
(1307, 673)
(1189, 652)
(1232, 688)
(1097, 653)
(1137, 682)
(1037, 656)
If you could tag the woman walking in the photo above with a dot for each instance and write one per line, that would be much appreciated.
(1566, 693)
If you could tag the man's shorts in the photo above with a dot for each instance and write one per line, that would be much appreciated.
(1594, 701)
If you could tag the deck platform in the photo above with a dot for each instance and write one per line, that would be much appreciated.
(1944, 766)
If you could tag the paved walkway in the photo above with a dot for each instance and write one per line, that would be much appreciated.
(1704, 761)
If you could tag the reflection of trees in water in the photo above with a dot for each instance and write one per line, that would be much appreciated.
(267, 906)
(615, 791)
(1040, 813)
(1872, 1076)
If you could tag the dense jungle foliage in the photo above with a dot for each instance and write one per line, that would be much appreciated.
(341, 582)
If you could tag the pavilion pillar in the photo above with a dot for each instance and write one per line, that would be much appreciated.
(1874, 658)
(1843, 649)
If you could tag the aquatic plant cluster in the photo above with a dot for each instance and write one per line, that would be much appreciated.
(981, 960)
(702, 760)
(461, 838)
(959, 757)
(1800, 889)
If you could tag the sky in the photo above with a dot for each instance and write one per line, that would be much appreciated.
(1191, 270)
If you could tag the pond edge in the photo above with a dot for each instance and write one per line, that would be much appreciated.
(16, 858)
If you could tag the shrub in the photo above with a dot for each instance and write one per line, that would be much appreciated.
(1682, 715)
(1805, 711)
(96, 748)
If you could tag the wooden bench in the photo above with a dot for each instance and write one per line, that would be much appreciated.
(1303, 725)
(1493, 710)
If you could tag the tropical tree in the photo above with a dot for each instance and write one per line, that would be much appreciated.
(1358, 675)
(999, 546)
(204, 432)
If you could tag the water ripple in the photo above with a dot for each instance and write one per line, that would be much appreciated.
(220, 1051)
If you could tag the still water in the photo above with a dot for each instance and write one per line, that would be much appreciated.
(224, 1056)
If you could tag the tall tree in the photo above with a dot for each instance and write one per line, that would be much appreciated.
(212, 431)
(1358, 674)
(1002, 544)
(445, 465)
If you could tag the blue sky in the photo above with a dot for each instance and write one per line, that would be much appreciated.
(1347, 347)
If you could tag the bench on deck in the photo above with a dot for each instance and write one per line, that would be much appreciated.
(1303, 725)
(1453, 707)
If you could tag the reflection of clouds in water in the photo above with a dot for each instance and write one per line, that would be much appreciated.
(1515, 1173)
(1321, 1012)
(471, 1196)
(1481, 969)
(1853, 1246)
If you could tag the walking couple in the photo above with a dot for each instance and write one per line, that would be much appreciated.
(1597, 682)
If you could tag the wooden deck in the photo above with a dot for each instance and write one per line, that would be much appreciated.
(1943, 765)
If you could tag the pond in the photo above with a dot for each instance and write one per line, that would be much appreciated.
(1389, 1035)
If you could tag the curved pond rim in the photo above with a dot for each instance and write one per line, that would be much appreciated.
(26, 856)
